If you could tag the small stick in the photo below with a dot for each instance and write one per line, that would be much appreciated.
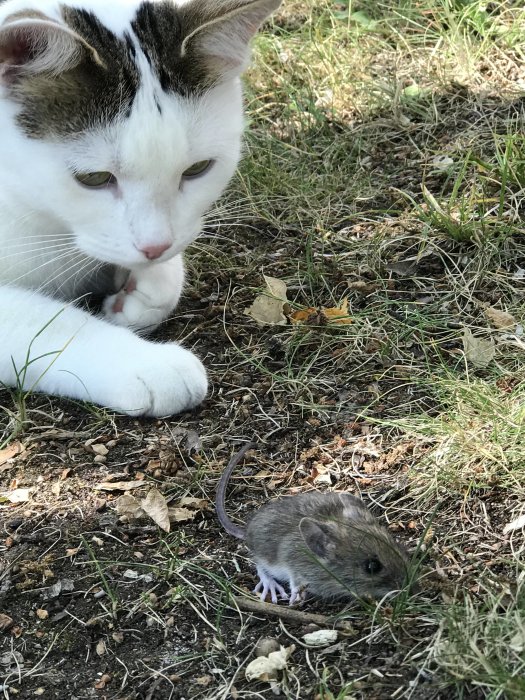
(291, 614)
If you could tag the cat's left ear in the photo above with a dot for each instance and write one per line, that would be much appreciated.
(219, 32)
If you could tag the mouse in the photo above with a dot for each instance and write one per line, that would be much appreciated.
(325, 544)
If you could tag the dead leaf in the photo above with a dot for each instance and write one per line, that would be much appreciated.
(16, 496)
(204, 681)
(478, 351)
(517, 643)
(269, 668)
(101, 647)
(268, 307)
(118, 485)
(42, 614)
(133, 508)
(12, 450)
(338, 314)
(103, 681)
(335, 315)
(155, 506)
(129, 506)
(192, 502)
(517, 524)
(180, 515)
(6, 622)
(499, 319)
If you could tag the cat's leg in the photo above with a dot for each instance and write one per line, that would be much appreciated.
(63, 350)
(148, 297)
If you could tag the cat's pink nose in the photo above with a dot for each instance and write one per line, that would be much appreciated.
(152, 252)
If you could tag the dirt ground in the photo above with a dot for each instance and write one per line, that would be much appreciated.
(352, 205)
(101, 608)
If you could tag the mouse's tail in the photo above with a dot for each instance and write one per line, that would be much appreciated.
(220, 497)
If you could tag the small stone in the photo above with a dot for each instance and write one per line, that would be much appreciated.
(266, 645)
(99, 459)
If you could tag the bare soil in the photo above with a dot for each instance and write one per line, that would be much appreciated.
(101, 608)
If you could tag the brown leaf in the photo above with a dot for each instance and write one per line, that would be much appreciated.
(180, 515)
(336, 315)
(155, 506)
(118, 485)
(103, 681)
(6, 622)
(499, 319)
(129, 506)
(12, 450)
(191, 502)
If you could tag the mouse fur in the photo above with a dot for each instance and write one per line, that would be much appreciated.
(325, 543)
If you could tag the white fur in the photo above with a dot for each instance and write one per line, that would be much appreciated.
(55, 235)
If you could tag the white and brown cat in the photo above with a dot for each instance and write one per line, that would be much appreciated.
(120, 125)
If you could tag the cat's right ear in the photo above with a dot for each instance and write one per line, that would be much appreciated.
(31, 42)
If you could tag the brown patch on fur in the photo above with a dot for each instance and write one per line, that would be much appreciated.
(100, 86)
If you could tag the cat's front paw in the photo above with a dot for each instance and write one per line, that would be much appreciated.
(164, 380)
(148, 297)
(134, 308)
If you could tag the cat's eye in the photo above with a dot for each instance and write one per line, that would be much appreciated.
(197, 169)
(98, 179)
(373, 566)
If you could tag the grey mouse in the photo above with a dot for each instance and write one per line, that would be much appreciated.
(326, 544)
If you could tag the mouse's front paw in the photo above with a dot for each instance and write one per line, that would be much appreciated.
(267, 584)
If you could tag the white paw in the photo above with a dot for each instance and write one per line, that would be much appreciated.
(134, 308)
(155, 379)
(148, 297)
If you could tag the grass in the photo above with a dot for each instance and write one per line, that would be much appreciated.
(385, 154)
(384, 164)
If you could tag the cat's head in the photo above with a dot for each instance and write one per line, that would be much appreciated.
(123, 119)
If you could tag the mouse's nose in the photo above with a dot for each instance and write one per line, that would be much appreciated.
(152, 252)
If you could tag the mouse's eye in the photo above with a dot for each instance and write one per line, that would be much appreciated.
(373, 566)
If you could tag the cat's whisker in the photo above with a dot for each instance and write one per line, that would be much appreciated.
(68, 265)
(92, 267)
(65, 256)
(35, 257)
(38, 253)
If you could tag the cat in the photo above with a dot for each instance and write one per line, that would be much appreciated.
(120, 125)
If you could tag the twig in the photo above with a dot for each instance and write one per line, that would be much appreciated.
(291, 614)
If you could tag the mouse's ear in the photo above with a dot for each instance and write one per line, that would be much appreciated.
(319, 537)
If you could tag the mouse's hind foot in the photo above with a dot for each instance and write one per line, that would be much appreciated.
(267, 584)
